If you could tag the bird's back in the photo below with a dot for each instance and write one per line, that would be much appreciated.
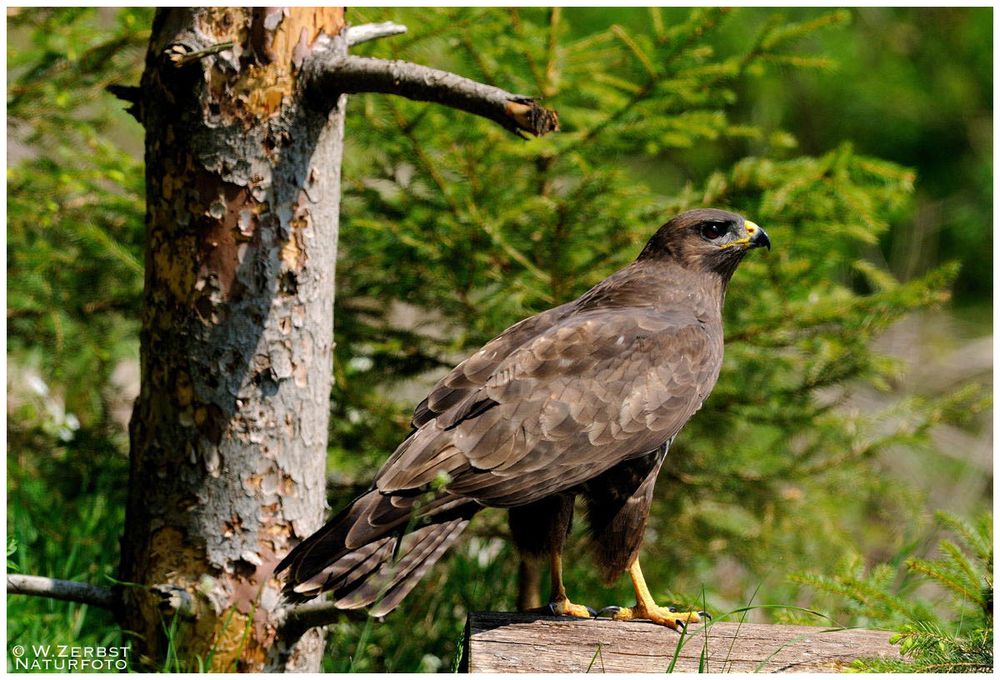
(566, 394)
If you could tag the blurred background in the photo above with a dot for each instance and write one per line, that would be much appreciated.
(840, 473)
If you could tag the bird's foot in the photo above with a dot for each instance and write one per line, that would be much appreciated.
(565, 608)
(664, 616)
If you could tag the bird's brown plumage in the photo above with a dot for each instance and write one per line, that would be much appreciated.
(580, 399)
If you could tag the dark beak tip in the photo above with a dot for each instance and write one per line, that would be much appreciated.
(761, 240)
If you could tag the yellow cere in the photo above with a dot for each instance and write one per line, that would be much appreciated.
(751, 230)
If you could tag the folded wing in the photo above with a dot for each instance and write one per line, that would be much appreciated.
(589, 391)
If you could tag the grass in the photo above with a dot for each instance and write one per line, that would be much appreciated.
(703, 656)
(64, 519)
(597, 655)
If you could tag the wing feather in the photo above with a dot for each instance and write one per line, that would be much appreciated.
(480, 367)
(565, 404)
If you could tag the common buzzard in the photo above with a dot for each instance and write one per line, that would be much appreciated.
(581, 400)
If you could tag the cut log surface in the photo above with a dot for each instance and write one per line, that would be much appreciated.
(513, 643)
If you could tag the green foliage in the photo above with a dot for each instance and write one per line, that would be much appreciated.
(11, 549)
(74, 200)
(65, 513)
(453, 229)
(476, 229)
(915, 87)
(953, 633)
(74, 280)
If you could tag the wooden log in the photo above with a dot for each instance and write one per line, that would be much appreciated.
(513, 643)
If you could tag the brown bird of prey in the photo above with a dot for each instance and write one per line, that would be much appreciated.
(581, 400)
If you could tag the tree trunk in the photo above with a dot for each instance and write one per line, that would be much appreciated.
(229, 433)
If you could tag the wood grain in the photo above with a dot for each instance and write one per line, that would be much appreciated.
(515, 643)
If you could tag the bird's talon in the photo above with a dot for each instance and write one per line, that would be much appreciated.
(705, 614)
(611, 611)
(592, 612)
(672, 610)
(564, 607)
(681, 626)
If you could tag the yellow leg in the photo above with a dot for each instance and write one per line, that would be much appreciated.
(560, 604)
(646, 608)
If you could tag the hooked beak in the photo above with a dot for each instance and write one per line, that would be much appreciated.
(758, 237)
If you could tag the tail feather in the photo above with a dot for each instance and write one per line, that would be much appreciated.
(351, 568)
(327, 541)
(394, 579)
(402, 585)
(353, 554)
(351, 529)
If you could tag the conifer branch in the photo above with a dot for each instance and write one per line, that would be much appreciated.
(328, 76)
(59, 589)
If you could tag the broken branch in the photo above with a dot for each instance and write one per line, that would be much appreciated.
(301, 618)
(131, 95)
(328, 76)
(181, 53)
(355, 35)
(58, 589)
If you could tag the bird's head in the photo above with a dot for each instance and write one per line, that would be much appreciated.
(706, 240)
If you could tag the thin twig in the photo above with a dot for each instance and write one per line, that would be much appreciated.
(355, 35)
(301, 617)
(181, 54)
(328, 76)
(58, 589)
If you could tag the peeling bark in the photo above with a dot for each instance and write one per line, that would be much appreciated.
(229, 433)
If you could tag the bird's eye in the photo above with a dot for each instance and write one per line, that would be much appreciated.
(711, 230)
